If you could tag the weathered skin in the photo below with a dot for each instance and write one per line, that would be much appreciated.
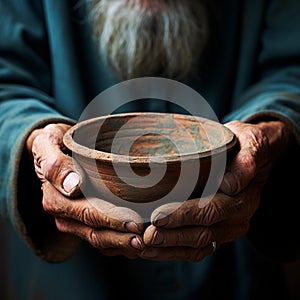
(184, 234)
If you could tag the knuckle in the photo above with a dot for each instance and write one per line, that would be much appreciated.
(39, 140)
(51, 167)
(210, 214)
(88, 216)
(53, 133)
(48, 205)
(53, 206)
(204, 238)
(96, 240)
(247, 160)
(180, 237)
(186, 215)
(56, 210)
(258, 144)
(55, 168)
(107, 222)
(260, 140)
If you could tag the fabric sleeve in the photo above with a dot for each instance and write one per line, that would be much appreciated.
(26, 103)
(275, 94)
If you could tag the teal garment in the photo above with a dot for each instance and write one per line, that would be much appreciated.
(49, 71)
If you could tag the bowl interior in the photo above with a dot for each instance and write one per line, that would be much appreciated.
(148, 135)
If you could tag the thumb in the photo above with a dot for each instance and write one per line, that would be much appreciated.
(51, 163)
(242, 168)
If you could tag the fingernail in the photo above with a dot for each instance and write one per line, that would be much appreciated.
(229, 183)
(158, 238)
(161, 220)
(131, 226)
(136, 243)
(150, 252)
(71, 181)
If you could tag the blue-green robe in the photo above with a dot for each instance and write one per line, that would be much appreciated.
(49, 71)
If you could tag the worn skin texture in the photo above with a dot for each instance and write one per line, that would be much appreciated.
(184, 234)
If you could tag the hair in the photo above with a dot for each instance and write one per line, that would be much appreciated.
(159, 37)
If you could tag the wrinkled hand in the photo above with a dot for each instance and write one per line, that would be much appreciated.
(113, 230)
(187, 233)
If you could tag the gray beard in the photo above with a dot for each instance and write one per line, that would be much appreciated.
(160, 38)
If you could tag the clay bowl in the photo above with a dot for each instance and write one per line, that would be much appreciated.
(140, 157)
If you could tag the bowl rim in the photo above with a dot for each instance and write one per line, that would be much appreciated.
(86, 152)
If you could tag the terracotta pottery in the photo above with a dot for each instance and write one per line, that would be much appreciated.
(142, 157)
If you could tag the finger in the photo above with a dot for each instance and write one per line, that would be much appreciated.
(195, 236)
(177, 253)
(177, 214)
(189, 236)
(124, 243)
(220, 208)
(92, 212)
(52, 164)
(243, 167)
(191, 212)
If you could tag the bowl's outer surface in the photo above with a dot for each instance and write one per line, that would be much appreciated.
(194, 140)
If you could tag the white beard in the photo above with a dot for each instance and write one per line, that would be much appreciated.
(156, 38)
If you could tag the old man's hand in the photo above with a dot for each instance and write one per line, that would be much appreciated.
(113, 230)
(190, 231)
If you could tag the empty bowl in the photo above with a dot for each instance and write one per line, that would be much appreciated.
(147, 157)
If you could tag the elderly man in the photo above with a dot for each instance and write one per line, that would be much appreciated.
(56, 56)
